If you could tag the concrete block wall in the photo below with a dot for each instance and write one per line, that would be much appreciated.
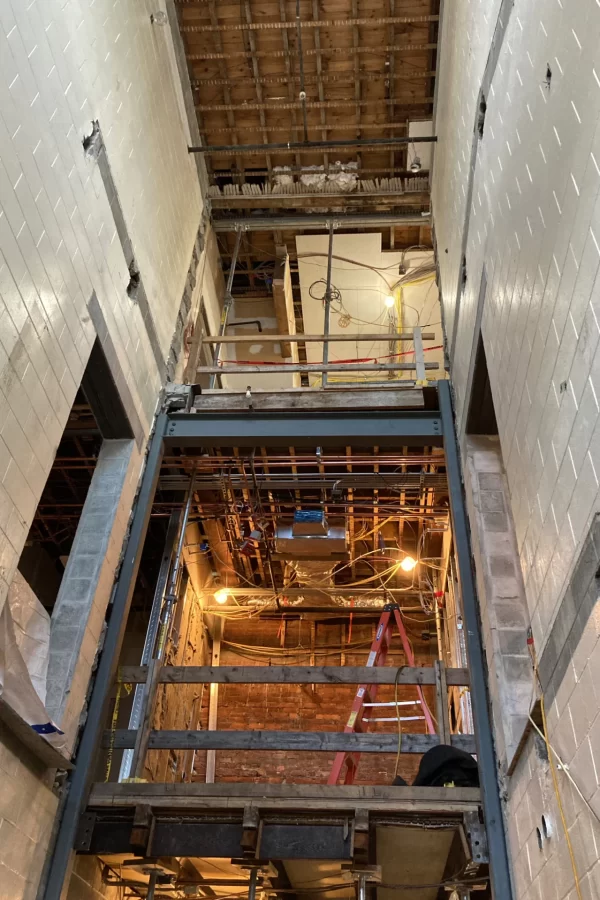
(501, 594)
(78, 616)
(535, 227)
(63, 64)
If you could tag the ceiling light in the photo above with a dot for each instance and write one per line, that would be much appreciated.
(415, 165)
(222, 595)
(390, 301)
(408, 564)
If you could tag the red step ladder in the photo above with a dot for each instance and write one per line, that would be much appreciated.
(366, 693)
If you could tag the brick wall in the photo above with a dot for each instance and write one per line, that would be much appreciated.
(305, 707)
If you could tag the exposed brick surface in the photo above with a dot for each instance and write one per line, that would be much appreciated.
(305, 707)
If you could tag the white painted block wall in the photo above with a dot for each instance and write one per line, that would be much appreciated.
(64, 63)
(535, 224)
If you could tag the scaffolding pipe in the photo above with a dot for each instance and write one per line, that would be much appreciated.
(228, 303)
(312, 222)
(236, 149)
(135, 716)
(171, 595)
(327, 310)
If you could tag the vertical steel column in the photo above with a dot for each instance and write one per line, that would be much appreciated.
(96, 714)
(252, 884)
(137, 708)
(486, 756)
(326, 322)
(228, 302)
(158, 647)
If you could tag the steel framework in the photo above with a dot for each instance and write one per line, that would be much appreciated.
(180, 430)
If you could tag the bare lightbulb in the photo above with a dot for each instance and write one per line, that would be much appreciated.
(222, 595)
(408, 564)
(390, 301)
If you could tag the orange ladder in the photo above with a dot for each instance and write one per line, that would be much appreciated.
(366, 693)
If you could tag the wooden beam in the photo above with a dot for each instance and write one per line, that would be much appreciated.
(211, 759)
(319, 63)
(333, 50)
(263, 338)
(256, 73)
(307, 23)
(441, 697)
(292, 741)
(361, 201)
(226, 92)
(198, 796)
(308, 398)
(313, 104)
(284, 302)
(244, 368)
(292, 675)
(311, 79)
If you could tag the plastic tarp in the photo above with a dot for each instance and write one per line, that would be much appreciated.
(24, 649)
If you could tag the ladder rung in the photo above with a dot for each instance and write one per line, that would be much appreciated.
(394, 719)
(393, 703)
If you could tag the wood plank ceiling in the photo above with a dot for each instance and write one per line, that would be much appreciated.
(366, 68)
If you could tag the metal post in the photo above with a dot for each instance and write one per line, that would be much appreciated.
(151, 884)
(148, 700)
(419, 355)
(105, 674)
(361, 887)
(327, 306)
(252, 884)
(228, 303)
(486, 757)
(170, 597)
(137, 708)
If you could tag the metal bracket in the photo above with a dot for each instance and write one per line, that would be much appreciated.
(360, 836)
(251, 831)
(85, 830)
(477, 840)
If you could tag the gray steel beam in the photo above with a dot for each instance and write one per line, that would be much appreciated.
(486, 756)
(312, 222)
(290, 146)
(304, 429)
(79, 782)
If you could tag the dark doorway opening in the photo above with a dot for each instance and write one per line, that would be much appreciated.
(481, 417)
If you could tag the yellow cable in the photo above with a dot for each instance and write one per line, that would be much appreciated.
(554, 773)
(113, 727)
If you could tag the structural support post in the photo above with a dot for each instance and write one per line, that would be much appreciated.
(213, 706)
(137, 709)
(149, 698)
(419, 355)
(486, 757)
(228, 303)
(105, 674)
(327, 318)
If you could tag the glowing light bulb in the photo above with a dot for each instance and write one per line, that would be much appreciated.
(390, 301)
(408, 564)
(222, 595)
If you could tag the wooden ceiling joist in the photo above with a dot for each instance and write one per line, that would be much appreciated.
(308, 23)
(329, 51)
(278, 71)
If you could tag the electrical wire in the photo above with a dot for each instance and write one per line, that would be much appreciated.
(553, 771)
